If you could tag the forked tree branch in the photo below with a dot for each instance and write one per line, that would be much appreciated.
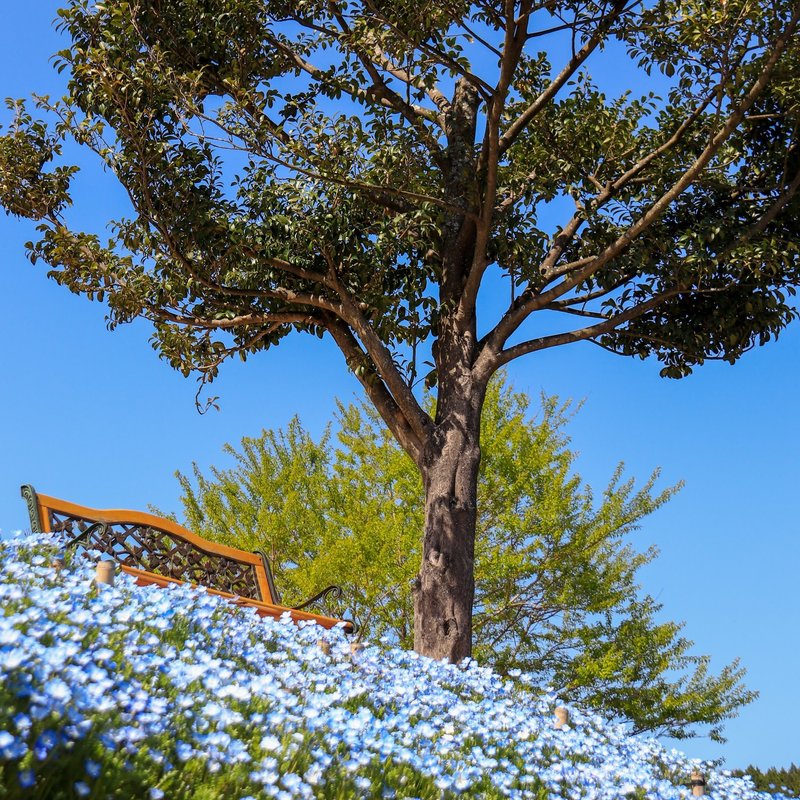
(524, 119)
(381, 357)
(489, 357)
(554, 340)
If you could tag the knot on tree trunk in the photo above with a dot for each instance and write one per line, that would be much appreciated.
(438, 560)
(462, 504)
(448, 628)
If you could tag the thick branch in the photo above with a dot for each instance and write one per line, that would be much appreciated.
(516, 31)
(381, 357)
(544, 342)
(376, 389)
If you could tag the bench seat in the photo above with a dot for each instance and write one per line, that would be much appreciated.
(158, 551)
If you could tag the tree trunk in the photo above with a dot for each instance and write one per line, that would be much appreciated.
(444, 590)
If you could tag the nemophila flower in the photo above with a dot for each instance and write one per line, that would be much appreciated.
(178, 679)
(44, 744)
(26, 778)
(93, 768)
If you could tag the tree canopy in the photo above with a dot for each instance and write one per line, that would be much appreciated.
(781, 780)
(360, 169)
(557, 592)
(349, 119)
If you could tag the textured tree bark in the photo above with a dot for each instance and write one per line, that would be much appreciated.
(444, 589)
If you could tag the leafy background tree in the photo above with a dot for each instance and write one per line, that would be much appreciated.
(785, 780)
(556, 573)
(356, 170)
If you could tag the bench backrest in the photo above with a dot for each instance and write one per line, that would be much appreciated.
(153, 544)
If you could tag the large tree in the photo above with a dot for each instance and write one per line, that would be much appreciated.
(360, 169)
(556, 573)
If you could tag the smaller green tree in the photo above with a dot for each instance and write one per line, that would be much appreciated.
(556, 574)
(785, 781)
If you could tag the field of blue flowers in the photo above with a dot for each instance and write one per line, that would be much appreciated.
(155, 693)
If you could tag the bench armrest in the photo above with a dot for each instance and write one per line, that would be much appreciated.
(333, 591)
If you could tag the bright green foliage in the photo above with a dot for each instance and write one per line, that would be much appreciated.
(556, 585)
(348, 515)
(783, 780)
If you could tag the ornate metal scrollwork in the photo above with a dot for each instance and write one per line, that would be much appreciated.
(147, 548)
(29, 495)
(332, 591)
(320, 597)
(94, 535)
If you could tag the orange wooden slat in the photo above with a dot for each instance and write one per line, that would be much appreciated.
(144, 578)
(263, 583)
(119, 515)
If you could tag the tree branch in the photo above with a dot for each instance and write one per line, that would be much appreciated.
(518, 126)
(433, 53)
(243, 320)
(581, 334)
(529, 302)
(381, 357)
(516, 30)
(380, 91)
(760, 225)
(376, 389)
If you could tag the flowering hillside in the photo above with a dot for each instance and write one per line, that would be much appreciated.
(144, 692)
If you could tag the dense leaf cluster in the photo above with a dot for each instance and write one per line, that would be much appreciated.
(311, 166)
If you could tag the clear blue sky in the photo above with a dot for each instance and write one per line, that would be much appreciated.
(95, 417)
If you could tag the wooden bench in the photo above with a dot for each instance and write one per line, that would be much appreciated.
(158, 551)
